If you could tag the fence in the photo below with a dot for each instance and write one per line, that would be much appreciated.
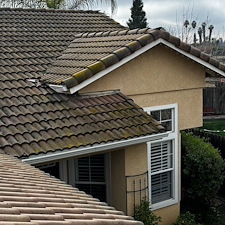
(214, 99)
(137, 189)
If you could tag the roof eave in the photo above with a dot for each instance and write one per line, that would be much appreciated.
(75, 152)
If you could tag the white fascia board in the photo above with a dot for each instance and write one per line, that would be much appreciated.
(62, 88)
(75, 152)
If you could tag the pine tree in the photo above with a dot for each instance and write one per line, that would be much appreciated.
(138, 19)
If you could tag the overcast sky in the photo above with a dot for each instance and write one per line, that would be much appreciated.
(170, 13)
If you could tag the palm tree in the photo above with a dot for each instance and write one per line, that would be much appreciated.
(186, 24)
(193, 24)
(200, 34)
(203, 30)
(210, 32)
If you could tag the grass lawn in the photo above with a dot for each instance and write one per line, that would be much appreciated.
(214, 126)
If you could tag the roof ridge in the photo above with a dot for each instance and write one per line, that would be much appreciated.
(48, 10)
(119, 32)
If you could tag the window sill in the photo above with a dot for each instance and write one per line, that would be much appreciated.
(163, 204)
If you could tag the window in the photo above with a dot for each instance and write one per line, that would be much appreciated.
(163, 159)
(161, 155)
(90, 176)
(165, 116)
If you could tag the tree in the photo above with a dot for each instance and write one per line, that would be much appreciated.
(138, 19)
(56, 4)
(202, 177)
(203, 169)
(211, 27)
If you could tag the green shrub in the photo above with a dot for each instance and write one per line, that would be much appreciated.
(186, 219)
(143, 213)
(203, 169)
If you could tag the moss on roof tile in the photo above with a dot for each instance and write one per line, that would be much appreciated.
(134, 46)
(110, 60)
(97, 67)
(82, 75)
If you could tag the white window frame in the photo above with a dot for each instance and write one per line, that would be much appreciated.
(173, 137)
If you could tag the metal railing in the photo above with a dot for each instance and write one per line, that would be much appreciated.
(136, 189)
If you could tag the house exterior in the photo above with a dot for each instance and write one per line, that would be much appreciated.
(164, 76)
(72, 103)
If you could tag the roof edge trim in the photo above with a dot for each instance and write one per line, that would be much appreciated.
(68, 153)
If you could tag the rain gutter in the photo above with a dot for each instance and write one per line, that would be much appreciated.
(77, 152)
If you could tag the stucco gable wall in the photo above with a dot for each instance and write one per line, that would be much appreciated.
(159, 69)
(160, 76)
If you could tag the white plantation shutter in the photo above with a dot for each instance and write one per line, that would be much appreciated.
(161, 171)
(161, 187)
(161, 156)
(91, 168)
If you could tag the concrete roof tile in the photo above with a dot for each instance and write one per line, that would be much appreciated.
(133, 46)
(214, 62)
(196, 52)
(64, 123)
(122, 52)
(110, 60)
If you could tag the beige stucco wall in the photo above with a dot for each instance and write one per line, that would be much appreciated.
(135, 164)
(168, 214)
(160, 76)
(118, 180)
(189, 104)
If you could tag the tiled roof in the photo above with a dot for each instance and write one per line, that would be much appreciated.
(91, 53)
(28, 196)
(32, 38)
(35, 120)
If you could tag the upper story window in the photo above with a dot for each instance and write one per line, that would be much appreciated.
(163, 159)
(165, 115)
